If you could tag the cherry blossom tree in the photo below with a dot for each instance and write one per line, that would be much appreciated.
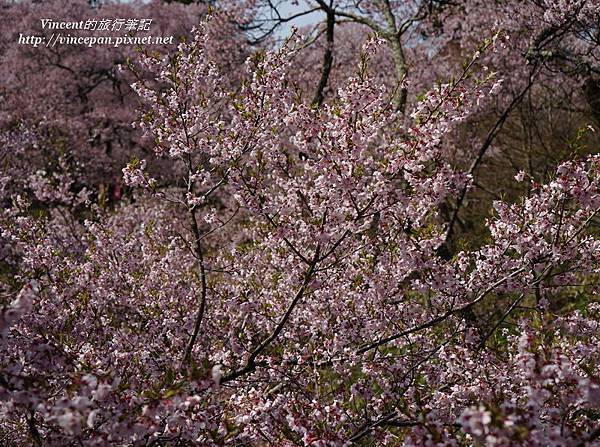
(282, 282)
(75, 99)
(292, 263)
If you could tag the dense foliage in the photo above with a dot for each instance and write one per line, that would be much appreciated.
(383, 231)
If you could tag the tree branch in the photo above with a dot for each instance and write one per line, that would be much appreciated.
(327, 57)
(200, 314)
(481, 153)
(251, 362)
(434, 321)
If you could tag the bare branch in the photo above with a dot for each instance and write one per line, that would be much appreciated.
(328, 56)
